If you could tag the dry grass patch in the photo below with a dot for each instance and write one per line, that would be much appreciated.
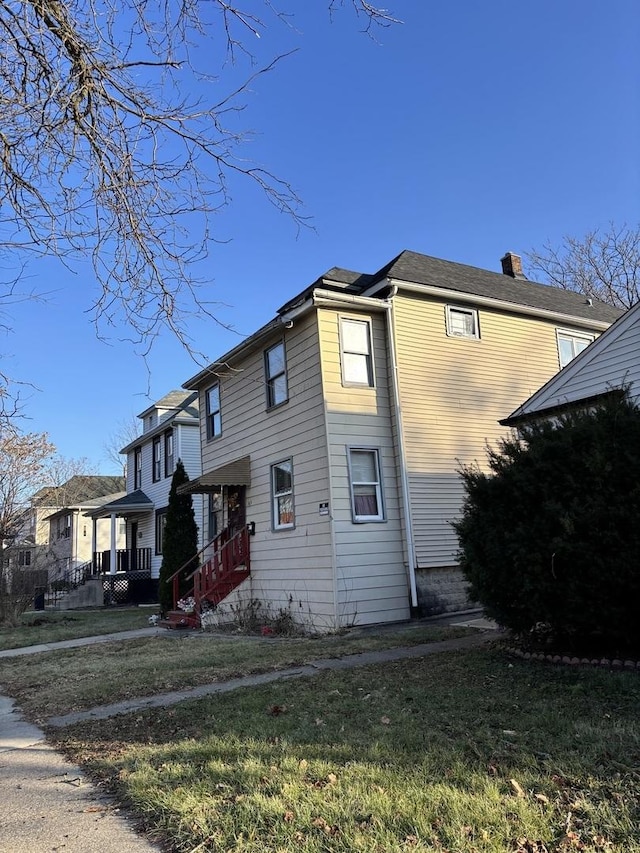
(53, 626)
(63, 681)
(461, 752)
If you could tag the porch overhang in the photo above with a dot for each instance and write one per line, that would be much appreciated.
(132, 504)
(236, 473)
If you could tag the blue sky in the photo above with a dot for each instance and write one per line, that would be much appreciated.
(469, 130)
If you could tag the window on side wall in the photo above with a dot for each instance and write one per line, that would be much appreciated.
(282, 495)
(157, 459)
(214, 413)
(214, 510)
(462, 322)
(355, 352)
(161, 523)
(365, 484)
(275, 370)
(137, 468)
(168, 454)
(570, 344)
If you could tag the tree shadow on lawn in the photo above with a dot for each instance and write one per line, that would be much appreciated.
(425, 748)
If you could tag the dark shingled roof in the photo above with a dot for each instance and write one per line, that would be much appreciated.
(78, 489)
(423, 269)
(177, 399)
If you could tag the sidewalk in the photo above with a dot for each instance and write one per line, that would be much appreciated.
(49, 805)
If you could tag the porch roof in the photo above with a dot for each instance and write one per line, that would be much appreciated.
(128, 505)
(237, 473)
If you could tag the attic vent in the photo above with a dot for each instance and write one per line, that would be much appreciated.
(512, 266)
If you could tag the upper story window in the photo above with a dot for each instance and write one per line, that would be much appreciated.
(355, 352)
(169, 462)
(282, 495)
(570, 344)
(275, 368)
(214, 415)
(462, 322)
(157, 458)
(24, 558)
(365, 485)
(137, 468)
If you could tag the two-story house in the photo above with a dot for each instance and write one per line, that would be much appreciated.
(337, 430)
(170, 431)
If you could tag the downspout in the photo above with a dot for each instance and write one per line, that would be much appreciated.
(408, 523)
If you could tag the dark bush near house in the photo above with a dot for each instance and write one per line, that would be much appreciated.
(552, 534)
(179, 542)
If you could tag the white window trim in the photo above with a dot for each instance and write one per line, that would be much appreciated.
(350, 383)
(573, 334)
(275, 495)
(473, 312)
(270, 379)
(210, 425)
(366, 519)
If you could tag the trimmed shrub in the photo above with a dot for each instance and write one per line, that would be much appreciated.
(551, 535)
(179, 542)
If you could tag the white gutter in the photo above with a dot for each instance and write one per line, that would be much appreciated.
(388, 303)
(503, 305)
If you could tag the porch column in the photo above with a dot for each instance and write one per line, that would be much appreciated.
(113, 556)
(94, 543)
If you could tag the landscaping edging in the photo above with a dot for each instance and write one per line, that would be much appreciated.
(609, 663)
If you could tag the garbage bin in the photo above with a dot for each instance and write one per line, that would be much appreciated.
(38, 598)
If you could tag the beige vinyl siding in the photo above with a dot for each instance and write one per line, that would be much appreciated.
(290, 568)
(371, 578)
(453, 392)
(615, 361)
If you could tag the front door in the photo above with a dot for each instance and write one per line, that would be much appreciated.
(236, 511)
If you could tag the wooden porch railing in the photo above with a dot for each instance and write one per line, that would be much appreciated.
(229, 564)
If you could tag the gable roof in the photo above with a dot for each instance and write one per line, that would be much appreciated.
(78, 489)
(568, 386)
(131, 503)
(425, 270)
(177, 399)
(440, 278)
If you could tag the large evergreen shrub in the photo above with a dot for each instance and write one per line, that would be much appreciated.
(179, 542)
(552, 533)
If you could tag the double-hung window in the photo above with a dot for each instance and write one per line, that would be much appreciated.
(169, 462)
(282, 495)
(462, 322)
(365, 484)
(157, 459)
(275, 370)
(214, 413)
(137, 468)
(570, 344)
(161, 523)
(355, 352)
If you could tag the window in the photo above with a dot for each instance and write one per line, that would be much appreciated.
(24, 558)
(157, 459)
(364, 481)
(282, 495)
(137, 468)
(570, 344)
(355, 352)
(462, 322)
(275, 368)
(161, 523)
(214, 419)
(168, 453)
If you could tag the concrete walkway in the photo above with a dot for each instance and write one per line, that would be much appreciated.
(47, 802)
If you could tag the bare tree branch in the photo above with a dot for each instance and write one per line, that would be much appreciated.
(603, 265)
(105, 153)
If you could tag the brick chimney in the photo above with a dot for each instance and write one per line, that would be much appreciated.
(512, 265)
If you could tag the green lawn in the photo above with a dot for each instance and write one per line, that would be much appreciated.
(62, 681)
(466, 752)
(52, 626)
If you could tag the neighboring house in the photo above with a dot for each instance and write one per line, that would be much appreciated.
(54, 535)
(337, 430)
(170, 431)
(610, 363)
